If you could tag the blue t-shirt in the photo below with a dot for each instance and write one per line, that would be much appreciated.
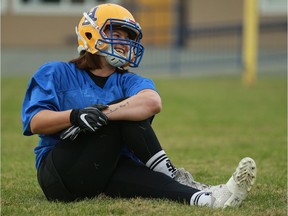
(60, 86)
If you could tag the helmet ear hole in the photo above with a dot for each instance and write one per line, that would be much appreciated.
(88, 35)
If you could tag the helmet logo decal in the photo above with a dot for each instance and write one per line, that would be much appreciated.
(91, 14)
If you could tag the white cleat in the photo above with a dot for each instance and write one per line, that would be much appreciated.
(185, 178)
(220, 194)
(241, 182)
(236, 189)
(230, 194)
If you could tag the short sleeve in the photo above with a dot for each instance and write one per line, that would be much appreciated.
(135, 83)
(40, 95)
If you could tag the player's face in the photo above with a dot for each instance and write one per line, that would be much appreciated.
(119, 34)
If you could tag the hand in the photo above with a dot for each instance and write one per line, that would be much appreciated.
(91, 120)
(71, 132)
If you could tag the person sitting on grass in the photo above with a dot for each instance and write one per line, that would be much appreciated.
(94, 119)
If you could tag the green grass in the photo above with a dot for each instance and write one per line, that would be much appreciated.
(207, 125)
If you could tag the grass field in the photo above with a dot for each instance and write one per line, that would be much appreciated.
(207, 125)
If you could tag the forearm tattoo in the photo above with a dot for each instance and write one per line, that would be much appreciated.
(122, 105)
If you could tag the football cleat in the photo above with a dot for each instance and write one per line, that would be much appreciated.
(241, 182)
(185, 178)
(236, 189)
(230, 194)
(220, 194)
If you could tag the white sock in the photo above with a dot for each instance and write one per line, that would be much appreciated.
(161, 163)
(201, 198)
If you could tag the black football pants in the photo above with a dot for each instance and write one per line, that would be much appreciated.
(92, 164)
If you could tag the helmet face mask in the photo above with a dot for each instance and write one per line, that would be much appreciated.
(92, 38)
(135, 53)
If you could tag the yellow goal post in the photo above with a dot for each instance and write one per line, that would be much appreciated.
(250, 41)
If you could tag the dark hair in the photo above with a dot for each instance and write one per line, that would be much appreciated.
(87, 61)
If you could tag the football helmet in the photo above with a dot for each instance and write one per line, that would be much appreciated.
(91, 36)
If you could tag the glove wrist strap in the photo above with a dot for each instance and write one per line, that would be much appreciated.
(74, 116)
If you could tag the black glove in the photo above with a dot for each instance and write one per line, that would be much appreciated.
(88, 119)
(71, 132)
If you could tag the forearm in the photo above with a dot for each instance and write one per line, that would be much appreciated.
(49, 122)
(136, 108)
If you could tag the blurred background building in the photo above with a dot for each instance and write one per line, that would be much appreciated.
(180, 37)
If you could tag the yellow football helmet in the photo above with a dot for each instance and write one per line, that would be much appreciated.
(91, 36)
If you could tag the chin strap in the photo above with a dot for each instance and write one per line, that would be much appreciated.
(81, 48)
(113, 59)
